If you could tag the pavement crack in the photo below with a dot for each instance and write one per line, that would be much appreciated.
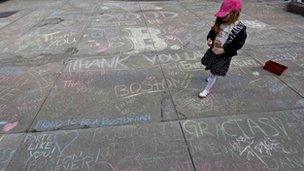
(187, 145)
(161, 109)
(181, 114)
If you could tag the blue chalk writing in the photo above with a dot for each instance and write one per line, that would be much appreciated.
(101, 122)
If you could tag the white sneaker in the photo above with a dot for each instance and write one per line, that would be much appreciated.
(203, 94)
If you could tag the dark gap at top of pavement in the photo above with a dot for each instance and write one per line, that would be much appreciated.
(7, 13)
(50, 21)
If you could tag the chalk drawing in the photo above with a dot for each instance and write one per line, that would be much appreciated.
(254, 24)
(72, 135)
(145, 39)
(7, 126)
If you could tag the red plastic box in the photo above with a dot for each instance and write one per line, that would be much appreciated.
(274, 67)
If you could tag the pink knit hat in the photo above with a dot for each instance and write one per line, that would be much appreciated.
(229, 6)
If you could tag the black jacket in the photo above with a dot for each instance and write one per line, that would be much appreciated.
(231, 46)
(219, 64)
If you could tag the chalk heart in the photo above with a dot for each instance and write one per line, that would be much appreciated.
(63, 139)
(9, 126)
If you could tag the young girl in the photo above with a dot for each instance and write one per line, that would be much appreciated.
(224, 39)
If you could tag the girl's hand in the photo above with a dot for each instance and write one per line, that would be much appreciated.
(218, 51)
(217, 43)
(209, 42)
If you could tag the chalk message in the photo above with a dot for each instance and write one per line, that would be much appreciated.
(142, 147)
(263, 142)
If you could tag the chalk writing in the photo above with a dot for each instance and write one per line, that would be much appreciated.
(42, 41)
(59, 39)
(39, 146)
(254, 24)
(29, 105)
(119, 17)
(159, 17)
(70, 135)
(127, 106)
(187, 104)
(145, 39)
(244, 63)
(100, 23)
(184, 166)
(150, 84)
(175, 57)
(268, 142)
(47, 150)
(3, 107)
(101, 122)
(267, 126)
(209, 165)
(79, 85)
(15, 80)
(79, 160)
(99, 63)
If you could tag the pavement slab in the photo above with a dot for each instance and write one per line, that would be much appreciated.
(105, 91)
(295, 30)
(260, 92)
(271, 14)
(143, 147)
(291, 56)
(23, 90)
(45, 41)
(8, 146)
(16, 29)
(272, 36)
(262, 141)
